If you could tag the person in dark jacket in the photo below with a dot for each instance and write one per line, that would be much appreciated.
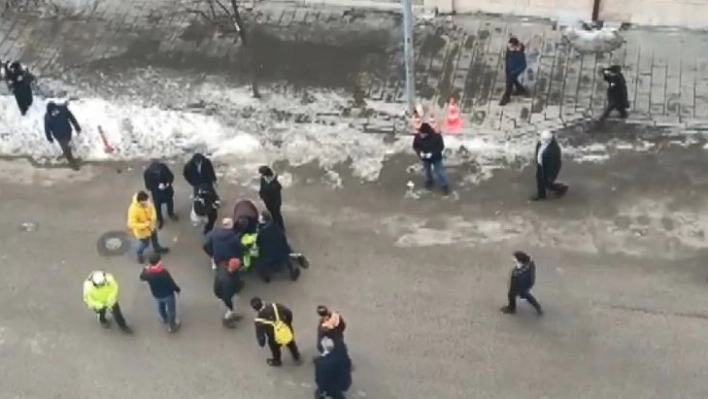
(199, 171)
(164, 290)
(548, 166)
(158, 180)
(274, 250)
(429, 147)
(206, 204)
(58, 123)
(270, 193)
(19, 82)
(333, 370)
(265, 330)
(617, 94)
(227, 283)
(523, 277)
(223, 244)
(515, 65)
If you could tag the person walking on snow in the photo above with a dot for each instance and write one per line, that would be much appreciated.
(199, 171)
(58, 123)
(164, 291)
(141, 222)
(548, 166)
(333, 370)
(19, 82)
(515, 65)
(158, 180)
(522, 279)
(227, 283)
(101, 296)
(270, 193)
(429, 147)
(274, 326)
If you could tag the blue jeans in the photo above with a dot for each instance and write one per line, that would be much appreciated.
(144, 243)
(439, 168)
(167, 308)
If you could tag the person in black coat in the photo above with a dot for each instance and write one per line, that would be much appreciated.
(515, 65)
(548, 166)
(223, 244)
(227, 283)
(429, 147)
(199, 171)
(58, 123)
(274, 250)
(333, 370)
(19, 82)
(523, 277)
(206, 204)
(158, 180)
(265, 331)
(617, 94)
(270, 193)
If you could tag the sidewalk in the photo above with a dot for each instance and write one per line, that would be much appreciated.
(331, 47)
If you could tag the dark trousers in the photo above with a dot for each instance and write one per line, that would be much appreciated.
(267, 268)
(66, 151)
(613, 106)
(211, 220)
(276, 352)
(163, 199)
(274, 210)
(524, 294)
(144, 243)
(512, 82)
(117, 316)
(24, 99)
(543, 184)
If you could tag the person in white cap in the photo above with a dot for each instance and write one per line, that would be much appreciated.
(101, 295)
(548, 166)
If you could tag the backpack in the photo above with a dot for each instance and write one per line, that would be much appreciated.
(281, 332)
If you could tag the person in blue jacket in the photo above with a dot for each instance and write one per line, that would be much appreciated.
(223, 244)
(59, 124)
(515, 65)
(333, 370)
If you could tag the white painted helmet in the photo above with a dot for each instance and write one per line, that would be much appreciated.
(98, 278)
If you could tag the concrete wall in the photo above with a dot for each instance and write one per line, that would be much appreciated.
(535, 8)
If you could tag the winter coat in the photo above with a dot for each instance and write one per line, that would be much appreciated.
(431, 143)
(206, 199)
(333, 370)
(264, 332)
(617, 88)
(226, 283)
(159, 174)
(523, 278)
(141, 218)
(99, 297)
(199, 171)
(270, 192)
(332, 327)
(272, 244)
(551, 161)
(19, 80)
(160, 281)
(515, 61)
(223, 244)
(59, 126)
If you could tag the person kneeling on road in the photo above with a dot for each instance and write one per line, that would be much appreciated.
(101, 296)
(227, 283)
(273, 249)
(223, 244)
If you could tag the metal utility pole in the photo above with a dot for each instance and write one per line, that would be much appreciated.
(408, 24)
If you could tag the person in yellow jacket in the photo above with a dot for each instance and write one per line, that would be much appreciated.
(101, 296)
(142, 220)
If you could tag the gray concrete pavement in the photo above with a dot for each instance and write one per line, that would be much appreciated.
(620, 274)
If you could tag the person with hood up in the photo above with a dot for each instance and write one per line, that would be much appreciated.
(617, 94)
(274, 326)
(19, 82)
(429, 147)
(522, 279)
(199, 171)
(270, 193)
(141, 222)
(273, 250)
(548, 166)
(158, 179)
(331, 325)
(333, 370)
(227, 283)
(101, 296)
(206, 204)
(164, 291)
(58, 123)
(515, 65)
(223, 244)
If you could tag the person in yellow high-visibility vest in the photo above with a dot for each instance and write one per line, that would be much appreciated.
(101, 295)
(250, 249)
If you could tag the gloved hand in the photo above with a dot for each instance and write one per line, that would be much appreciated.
(161, 186)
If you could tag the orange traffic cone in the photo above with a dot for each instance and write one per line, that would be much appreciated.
(453, 121)
(107, 147)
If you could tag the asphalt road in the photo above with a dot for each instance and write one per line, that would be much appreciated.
(420, 281)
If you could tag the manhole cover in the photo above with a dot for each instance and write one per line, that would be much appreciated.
(113, 243)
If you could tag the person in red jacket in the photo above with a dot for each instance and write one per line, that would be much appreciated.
(164, 290)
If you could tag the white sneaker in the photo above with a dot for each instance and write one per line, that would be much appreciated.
(213, 265)
(228, 315)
